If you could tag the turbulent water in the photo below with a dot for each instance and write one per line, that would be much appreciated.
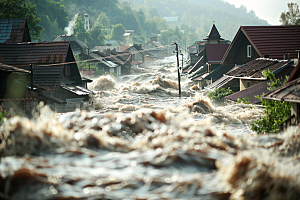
(136, 139)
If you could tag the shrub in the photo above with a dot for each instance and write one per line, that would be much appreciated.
(219, 94)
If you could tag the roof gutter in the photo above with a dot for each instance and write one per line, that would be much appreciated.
(247, 78)
(277, 99)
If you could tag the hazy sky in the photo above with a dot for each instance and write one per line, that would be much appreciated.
(269, 10)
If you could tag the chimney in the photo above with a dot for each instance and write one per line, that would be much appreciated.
(138, 46)
(107, 52)
(286, 56)
(153, 39)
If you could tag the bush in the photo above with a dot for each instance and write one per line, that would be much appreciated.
(2, 115)
(219, 94)
(276, 112)
(243, 100)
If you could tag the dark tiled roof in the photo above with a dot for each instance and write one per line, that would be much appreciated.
(215, 52)
(14, 31)
(47, 77)
(254, 68)
(289, 92)
(39, 53)
(251, 92)
(213, 34)
(71, 38)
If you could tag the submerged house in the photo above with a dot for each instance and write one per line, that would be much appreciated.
(14, 31)
(53, 68)
(155, 48)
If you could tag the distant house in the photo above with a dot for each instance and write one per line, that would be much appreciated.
(14, 31)
(54, 68)
(113, 44)
(173, 21)
(289, 93)
(112, 61)
(155, 48)
(251, 42)
(209, 57)
(139, 55)
(78, 47)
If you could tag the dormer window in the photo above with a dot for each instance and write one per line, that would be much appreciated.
(249, 51)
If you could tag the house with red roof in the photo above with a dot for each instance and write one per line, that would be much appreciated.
(251, 42)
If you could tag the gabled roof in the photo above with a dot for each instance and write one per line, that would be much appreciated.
(254, 68)
(14, 31)
(272, 41)
(110, 42)
(214, 34)
(39, 53)
(158, 45)
(71, 38)
(250, 92)
(48, 77)
(215, 52)
(290, 92)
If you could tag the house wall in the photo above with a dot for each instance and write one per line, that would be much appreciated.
(295, 110)
(246, 83)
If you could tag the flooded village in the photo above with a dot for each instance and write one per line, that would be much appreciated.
(154, 117)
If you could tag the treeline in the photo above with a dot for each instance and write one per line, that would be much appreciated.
(109, 19)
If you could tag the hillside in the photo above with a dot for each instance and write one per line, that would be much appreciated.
(200, 14)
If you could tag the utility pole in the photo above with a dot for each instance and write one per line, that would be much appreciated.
(89, 62)
(176, 51)
(181, 62)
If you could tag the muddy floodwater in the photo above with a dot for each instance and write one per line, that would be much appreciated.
(136, 139)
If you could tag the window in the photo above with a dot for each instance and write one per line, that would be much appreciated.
(249, 51)
(248, 84)
(67, 70)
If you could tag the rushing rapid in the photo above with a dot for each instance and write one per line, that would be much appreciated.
(136, 139)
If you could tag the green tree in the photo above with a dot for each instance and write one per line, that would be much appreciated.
(275, 112)
(22, 9)
(219, 94)
(104, 22)
(80, 31)
(96, 37)
(292, 16)
(54, 18)
(117, 32)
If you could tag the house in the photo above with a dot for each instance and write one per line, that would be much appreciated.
(173, 21)
(251, 42)
(262, 87)
(155, 48)
(289, 93)
(209, 56)
(113, 44)
(139, 55)
(54, 68)
(14, 31)
(78, 47)
(112, 61)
